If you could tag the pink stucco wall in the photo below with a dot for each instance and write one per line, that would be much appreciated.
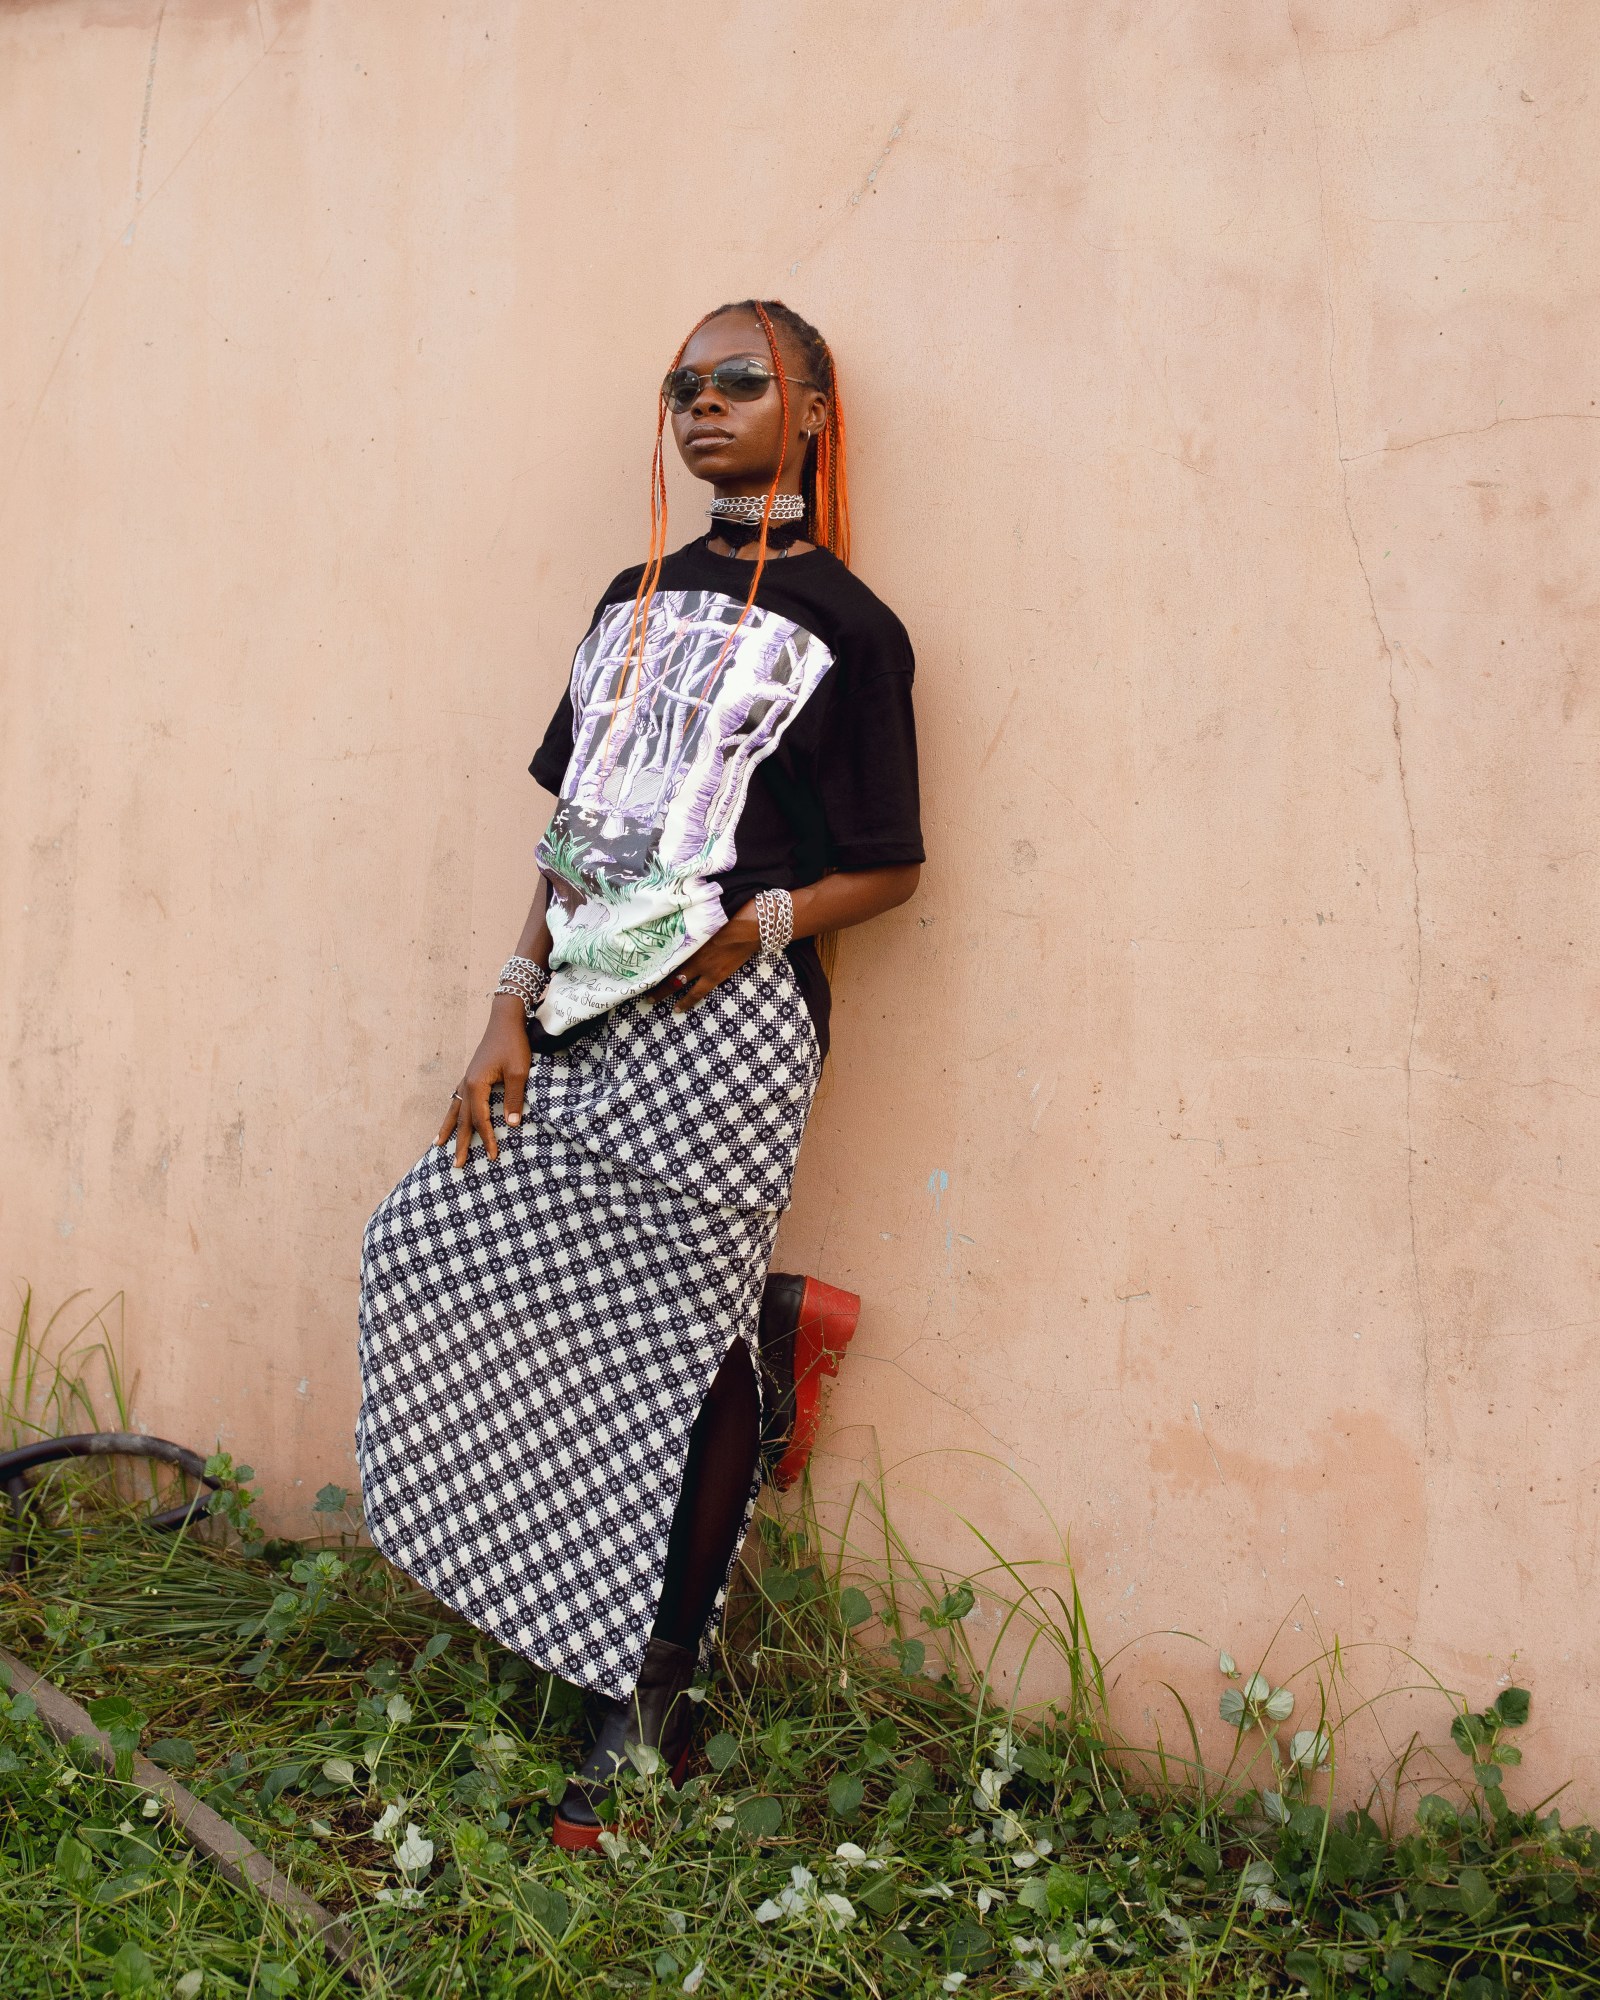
(1214, 1138)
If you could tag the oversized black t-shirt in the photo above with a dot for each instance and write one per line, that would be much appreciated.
(720, 765)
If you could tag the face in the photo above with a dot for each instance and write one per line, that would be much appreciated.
(736, 446)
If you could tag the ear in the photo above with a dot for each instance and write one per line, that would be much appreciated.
(813, 411)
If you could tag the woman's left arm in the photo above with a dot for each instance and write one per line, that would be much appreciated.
(852, 896)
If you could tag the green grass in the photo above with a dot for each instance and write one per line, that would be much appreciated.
(305, 1695)
(859, 1820)
(64, 1376)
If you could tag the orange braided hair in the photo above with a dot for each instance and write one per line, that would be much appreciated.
(822, 480)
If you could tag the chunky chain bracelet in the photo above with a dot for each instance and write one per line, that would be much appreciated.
(521, 979)
(775, 921)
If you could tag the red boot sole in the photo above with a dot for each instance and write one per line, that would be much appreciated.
(828, 1319)
(577, 1838)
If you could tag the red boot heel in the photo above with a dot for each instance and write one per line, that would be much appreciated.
(824, 1326)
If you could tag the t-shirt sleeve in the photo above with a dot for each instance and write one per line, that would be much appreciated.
(867, 772)
(550, 760)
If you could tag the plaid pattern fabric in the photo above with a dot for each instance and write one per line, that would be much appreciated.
(538, 1333)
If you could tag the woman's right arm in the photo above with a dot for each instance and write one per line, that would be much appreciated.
(503, 1056)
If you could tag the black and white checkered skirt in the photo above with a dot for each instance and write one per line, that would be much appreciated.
(538, 1333)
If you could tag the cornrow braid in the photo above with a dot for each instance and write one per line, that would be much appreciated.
(822, 477)
(822, 483)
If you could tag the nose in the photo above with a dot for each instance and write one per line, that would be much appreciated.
(709, 403)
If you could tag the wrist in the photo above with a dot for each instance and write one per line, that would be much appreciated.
(523, 981)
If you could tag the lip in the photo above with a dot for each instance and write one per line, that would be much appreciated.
(707, 434)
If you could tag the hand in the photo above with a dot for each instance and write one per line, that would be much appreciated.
(503, 1056)
(719, 958)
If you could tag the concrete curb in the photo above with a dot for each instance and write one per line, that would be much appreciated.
(215, 1837)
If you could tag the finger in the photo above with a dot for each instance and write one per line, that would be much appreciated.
(464, 1124)
(516, 1086)
(449, 1124)
(483, 1119)
(694, 993)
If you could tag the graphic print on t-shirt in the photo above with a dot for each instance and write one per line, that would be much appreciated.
(661, 763)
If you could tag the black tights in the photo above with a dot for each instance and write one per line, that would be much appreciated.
(710, 1512)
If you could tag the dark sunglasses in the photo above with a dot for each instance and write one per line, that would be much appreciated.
(739, 381)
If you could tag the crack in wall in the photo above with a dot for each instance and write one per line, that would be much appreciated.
(1475, 430)
(868, 185)
(1396, 725)
(144, 125)
(10, 485)
(893, 1361)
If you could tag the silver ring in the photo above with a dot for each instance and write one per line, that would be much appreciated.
(455, 1096)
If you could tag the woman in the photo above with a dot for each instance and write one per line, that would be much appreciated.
(560, 1418)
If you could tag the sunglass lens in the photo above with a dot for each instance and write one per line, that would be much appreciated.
(680, 388)
(742, 381)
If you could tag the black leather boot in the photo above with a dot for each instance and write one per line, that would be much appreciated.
(658, 1713)
(780, 1315)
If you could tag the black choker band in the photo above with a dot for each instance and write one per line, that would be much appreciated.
(739, 534)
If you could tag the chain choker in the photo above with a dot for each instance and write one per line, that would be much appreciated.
(749, 507)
